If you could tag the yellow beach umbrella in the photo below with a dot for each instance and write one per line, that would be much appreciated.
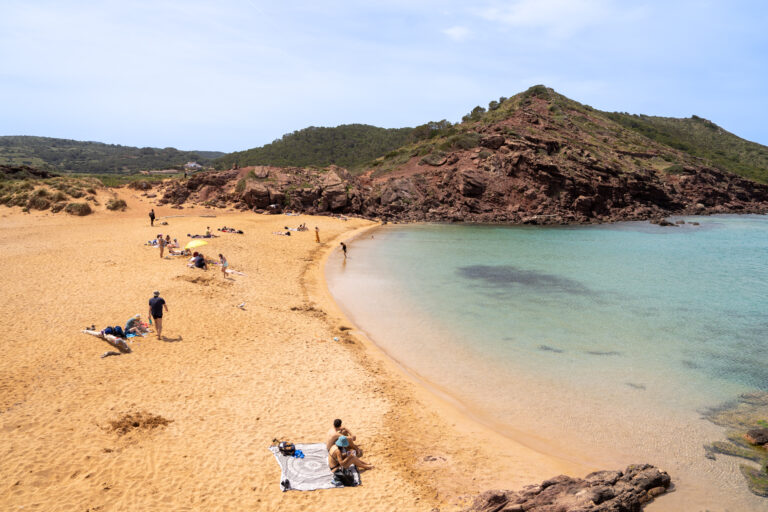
(195, 243)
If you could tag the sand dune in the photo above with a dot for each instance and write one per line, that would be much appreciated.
(227, 379)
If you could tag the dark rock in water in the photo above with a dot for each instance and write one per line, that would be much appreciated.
(680, 221)
(547, 348)
(604, 491)
(603, 353)
(635, 386)
(757, 436)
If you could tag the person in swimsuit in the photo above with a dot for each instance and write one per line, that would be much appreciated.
(152, 217)
(224, 264)
(340, 456)
(338, 431)
(344, 249)
(317, 234)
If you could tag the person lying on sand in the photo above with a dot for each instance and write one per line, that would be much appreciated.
(225, 229)
(338, 431)
(280, 233)
(340, 456)
(206, 235)
(179, 252)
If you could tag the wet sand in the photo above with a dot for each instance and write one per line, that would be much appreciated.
(228, 380)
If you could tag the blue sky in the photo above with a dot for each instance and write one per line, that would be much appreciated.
(231, 75)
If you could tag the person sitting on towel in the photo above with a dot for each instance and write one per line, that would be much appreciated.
(338, 431)
(340, 456)
(134, 325)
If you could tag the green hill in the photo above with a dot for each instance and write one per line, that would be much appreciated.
(93, 157)
(704, 139)
(675, 142)
(348, 145)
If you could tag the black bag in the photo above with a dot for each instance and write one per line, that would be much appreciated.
(345, 477)
(287, 449)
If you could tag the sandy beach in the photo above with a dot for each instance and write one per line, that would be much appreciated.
(229, 380)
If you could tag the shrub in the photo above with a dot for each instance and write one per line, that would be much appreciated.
(674, 169)
(59, 196)
(56, 208)
(79, 209)
(37, 202)
(75, 192)
(41, 192)
(91, 190)
(485, 154)
(240, 187)
(467, 140)
(116, 204)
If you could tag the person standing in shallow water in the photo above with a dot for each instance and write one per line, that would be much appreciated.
(344, 249)
(317, 234)
(156, 305)
(152, 217)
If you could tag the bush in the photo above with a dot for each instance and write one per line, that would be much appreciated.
(466, 140)
(79, 209)
(435, 158)
(485, 154)
(36, 202)
(56, 208)
(75, 192)
(116, 204)
(41, 192)
(59, 196)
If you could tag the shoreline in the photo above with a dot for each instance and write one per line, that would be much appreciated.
(466, 424)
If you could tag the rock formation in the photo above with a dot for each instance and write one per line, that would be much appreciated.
(603, 491)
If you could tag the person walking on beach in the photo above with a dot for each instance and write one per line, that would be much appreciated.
(317, 234)
(156, 305)
(152, 217)
(161, 244)
(344, 249)
(224, 264)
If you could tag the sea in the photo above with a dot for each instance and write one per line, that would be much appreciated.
(603, 345)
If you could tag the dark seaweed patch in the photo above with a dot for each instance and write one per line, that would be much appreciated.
(603, 353)
(507, 276)
(547, 348)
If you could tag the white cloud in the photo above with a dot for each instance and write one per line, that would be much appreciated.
(457, 33)
(558, 18)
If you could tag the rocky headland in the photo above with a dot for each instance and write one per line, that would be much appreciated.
(541, 162)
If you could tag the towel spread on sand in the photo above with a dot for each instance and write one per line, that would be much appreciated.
(309, 473)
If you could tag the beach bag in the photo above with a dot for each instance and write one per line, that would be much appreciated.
(108, 330)
(345, 477)
(118, 331)
(287, 449)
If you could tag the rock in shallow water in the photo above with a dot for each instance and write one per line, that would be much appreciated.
(604, 491)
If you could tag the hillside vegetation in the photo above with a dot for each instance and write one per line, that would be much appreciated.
(704, 139)
(621, 140)
(93, 157)
(347, 146)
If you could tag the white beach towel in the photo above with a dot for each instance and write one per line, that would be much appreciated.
(309, 473)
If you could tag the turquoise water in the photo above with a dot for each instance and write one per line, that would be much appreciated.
(574, 339)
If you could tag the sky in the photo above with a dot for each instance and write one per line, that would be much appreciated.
(235, 74)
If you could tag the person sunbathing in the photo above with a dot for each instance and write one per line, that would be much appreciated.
(338, 431)
(340, 456)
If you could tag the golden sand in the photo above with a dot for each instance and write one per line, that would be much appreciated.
(223, 383)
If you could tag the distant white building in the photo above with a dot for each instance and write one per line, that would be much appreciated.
(192, 166)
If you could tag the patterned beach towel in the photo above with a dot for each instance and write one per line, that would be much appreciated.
(309, 473)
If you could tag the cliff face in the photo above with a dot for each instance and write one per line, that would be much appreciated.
(542, 162)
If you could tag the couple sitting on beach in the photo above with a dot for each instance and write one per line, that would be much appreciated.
(207, 234)
(342, 450)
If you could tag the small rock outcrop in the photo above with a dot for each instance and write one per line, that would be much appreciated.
(603, 491)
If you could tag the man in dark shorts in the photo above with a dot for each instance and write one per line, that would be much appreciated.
(344, 249)
(152, 217)
(156, 305)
